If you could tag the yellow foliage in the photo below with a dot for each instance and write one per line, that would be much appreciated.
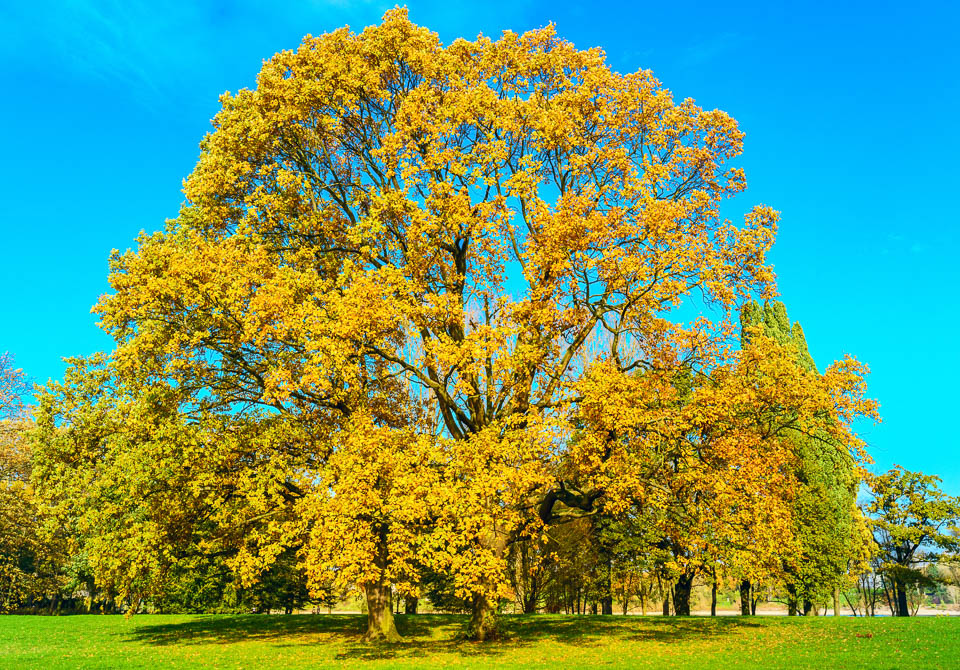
(432, 262)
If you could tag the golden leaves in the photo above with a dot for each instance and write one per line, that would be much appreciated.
(420, 268)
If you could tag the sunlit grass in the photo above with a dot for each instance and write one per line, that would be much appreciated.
(260, 642)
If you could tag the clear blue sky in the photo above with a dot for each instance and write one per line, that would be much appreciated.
(851, 117)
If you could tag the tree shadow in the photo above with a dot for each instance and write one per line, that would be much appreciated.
(228, 629)
(429, 634)
(586, 629)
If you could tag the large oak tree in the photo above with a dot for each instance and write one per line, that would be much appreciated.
(473, 254)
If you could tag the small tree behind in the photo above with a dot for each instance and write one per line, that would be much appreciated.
(913, 523)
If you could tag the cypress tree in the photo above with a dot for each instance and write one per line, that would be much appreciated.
(825, 512)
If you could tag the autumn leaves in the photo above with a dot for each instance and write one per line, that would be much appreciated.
(416, 291)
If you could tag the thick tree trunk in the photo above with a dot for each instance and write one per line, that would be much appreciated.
(809, 609)
(484, 622)
(606, 605)
(380, 624)
(745, 597)
(903, 609)
(836, 601)
(681, 594)
(666, 603)
(410, 604)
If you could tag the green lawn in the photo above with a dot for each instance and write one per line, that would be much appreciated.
(561, 642)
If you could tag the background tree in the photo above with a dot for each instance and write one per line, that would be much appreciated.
(13, 388)
(913, 522)
(827, 476)
(31, 559)
(149, 491)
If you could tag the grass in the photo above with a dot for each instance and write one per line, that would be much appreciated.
(260, 642)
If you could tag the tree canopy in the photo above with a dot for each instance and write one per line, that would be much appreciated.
(423, 302)
(914, 524)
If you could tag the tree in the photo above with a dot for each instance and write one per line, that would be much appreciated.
(148, 492)
(825, 515)
(499, 228)
(30, 559)
(912, 521)
(370, 525)
(13, 389)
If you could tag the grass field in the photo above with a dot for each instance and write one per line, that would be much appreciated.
(563, 642)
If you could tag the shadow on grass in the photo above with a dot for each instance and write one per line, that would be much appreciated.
(428, 634)
(228, 629)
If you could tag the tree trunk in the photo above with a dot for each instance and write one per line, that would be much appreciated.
(713, 597)
(410, 604)
(13, 579)
(836, 601)
(484, 622)
(681, 594)
(666, 603)
(809, 609)
(532, 598)
(380, 623)
(903, 608)
(606, 601)
(745, 597)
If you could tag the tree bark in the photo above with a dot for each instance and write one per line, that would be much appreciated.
(606, 602)
(713, 597)
(410, 604)
(529, 606)
(745, 597)
(793, 603)
(681, 594)
(380, 623)
(484, 623)
(836, 601)
(903, 609)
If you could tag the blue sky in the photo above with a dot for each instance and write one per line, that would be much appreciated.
(850, 112)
